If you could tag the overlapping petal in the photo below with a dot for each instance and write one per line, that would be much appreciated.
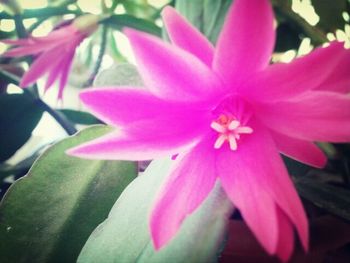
(154, 144)
(41, 66)
(285, 80)
(54, 52)
(186, 36)
(122, 106)
(66, 66)
(194, 170)
(253, 176)
(339, 79)
(314, 116)
(285, 236)
(300, 150)
(150, 127)
(246, 41)
(243, 188)
(31, 49)
(170, 72)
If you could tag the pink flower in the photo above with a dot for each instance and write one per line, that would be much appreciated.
(54, 52)
(228, 114)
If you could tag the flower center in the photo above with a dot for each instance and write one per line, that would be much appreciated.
(229, 129)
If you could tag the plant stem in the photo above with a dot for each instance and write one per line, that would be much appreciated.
(20, 29)
(59, 117)
(92, 77)
(316, 35)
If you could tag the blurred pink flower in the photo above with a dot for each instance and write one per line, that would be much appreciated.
(54, 52)
(228, 114)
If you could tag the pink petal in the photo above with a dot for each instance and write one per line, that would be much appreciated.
(53, 74)
(125, 106)
(302, 151)
(67, 63)
(170, 72)
(191, 180)
(246, 41)
(150, 144)
(284, 80)
(40, 66)
(313, 116)
(257, 178)
(255, 204)
(240, 180)
(29, 49)
(149, 131)
(63, 34)
(339, 79)
(186, 36)
(285, 236)
(20, 41)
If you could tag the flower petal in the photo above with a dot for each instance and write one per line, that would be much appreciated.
(300, 150)
(149, 130)
(170, 72)
(285, 236)
(53, 74)
(186, 36)
(313, 116)
(32, 49)
(191, 180)
(339, 79)
(58, 36)
(124, 106)
(284, 80)
(20, 41)
(240, 181)
(252, 176)
(145, 146)
(246, 41)
(40, 66)
(66, 65)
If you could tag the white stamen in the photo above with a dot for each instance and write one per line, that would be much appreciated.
(229, 130)
(233, 125)
(232, 141)
(220, 141)
(218, 127)
(244, 129)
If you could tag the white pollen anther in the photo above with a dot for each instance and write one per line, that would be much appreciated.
(229, 130)
(233, 125)
(218, 127)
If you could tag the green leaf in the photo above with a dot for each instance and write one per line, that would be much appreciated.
(335, 200)
(331, 14)
(19, 115)
(120, 21)
(124, 235)
(20, 168)
(80, 117)
(208, 15)
(48, 215)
